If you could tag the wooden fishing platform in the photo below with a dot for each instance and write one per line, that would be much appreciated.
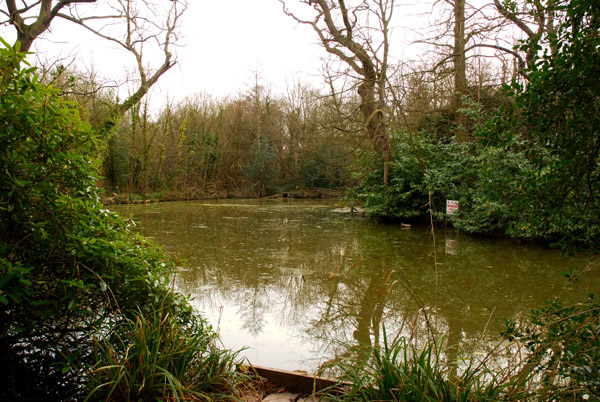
(292, 380)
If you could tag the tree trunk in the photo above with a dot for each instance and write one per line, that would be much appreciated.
(374, 121)
(460, 68)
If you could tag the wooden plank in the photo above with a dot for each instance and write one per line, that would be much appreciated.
(293, 381)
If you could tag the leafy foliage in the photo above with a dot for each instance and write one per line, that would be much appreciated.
(69, 269)
(419, 167)
(563, 344)
(560, 109)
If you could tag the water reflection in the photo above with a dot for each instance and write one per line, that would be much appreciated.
(295, 282)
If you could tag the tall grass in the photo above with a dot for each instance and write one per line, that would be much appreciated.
(155, 357)
(552, 354)
(400, 371)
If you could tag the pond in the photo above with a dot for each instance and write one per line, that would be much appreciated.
(294, 282)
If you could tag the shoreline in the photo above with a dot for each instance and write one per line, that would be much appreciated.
(133, 198)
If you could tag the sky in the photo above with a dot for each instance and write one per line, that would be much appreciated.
(224, 43)
(227, 41)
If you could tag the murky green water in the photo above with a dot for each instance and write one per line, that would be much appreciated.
(293, 280)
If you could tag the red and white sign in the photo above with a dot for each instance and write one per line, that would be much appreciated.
(451, 207)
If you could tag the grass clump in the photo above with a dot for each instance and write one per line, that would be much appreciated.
(553, 354)
(158, 357)
(400, 371)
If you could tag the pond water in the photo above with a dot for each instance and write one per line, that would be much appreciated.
(293, 281)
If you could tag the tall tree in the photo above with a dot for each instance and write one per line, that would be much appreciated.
(465, 32)
(346, 32)
(461, 86)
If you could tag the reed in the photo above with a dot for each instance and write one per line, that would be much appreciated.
(399, 371)
(551, 354)
(155, 357)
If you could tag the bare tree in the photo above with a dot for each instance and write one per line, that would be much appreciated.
(138, 26)
(466, 35)
(464, 31)
(297, 104)
(496, 27)
(347, 32)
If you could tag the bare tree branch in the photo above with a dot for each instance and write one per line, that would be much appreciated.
(346, 35)
(26, 34)
(133, 25)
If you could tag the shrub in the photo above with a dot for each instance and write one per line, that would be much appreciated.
(419, 167)
(69, 269)
(563, 345)
(505, 185)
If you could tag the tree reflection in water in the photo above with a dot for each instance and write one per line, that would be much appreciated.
(263, 272)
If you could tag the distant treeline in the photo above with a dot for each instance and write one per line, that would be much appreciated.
(253, 144)
(256, 143)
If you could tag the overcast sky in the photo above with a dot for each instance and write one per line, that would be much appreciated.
(227, 40)
(224, 42)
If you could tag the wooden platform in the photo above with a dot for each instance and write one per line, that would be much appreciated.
(292, 380)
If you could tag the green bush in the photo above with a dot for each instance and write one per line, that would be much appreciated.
(419, 167)
(563, 350)
(506, 185)
(70, 271)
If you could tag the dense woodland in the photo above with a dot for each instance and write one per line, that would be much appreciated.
(249, 146)
(501, 114)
